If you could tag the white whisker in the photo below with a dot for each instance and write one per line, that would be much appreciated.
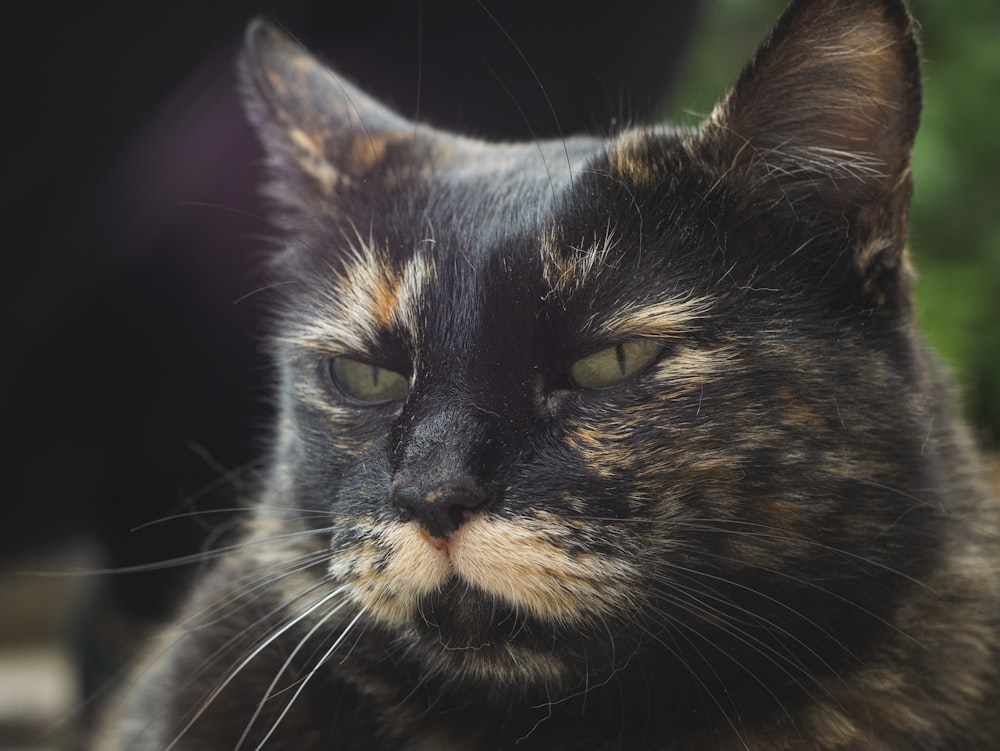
(264, 644)
(288, 661)
(322, 661)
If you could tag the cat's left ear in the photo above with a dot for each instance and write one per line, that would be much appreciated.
(822, 120)
(314, 125)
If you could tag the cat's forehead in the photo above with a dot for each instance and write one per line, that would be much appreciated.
(539, 202)
(511, 233)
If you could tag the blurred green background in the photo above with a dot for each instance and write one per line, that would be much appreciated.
(955, 232)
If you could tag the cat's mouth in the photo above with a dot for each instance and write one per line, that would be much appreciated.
(490, 565)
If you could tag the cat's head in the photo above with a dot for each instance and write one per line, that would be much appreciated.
(560, 405)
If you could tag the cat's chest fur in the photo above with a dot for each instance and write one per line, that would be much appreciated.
(600, 444)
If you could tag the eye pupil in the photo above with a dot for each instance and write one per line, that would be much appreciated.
(620, 357)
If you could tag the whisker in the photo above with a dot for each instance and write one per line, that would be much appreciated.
(676, 652)
(184, 560)
(232, 510)
(420, 67)
(821, 589)
(527, 122)
(783, 662)
(263, 580)
(288, 661)
(264, 644)
(187, 204)
(743, 528)
(323, 660)
(538, 81)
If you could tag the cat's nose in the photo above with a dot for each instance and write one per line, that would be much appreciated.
(440, 508)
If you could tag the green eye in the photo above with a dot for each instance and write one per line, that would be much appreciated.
(614, 365)
(368, 383)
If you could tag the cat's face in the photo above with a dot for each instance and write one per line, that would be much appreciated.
(555, 407)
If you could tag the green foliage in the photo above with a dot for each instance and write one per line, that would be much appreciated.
(956, 212)
(955, 236)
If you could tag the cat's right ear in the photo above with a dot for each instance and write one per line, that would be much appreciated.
(313, 124)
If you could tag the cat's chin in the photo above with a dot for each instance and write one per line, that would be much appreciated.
(466, 630)
(462, 618)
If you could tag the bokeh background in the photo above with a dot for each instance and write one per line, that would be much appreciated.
(132, 387)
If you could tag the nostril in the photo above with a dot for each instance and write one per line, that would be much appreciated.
(439, 509)
(406, 499)
(460, 502)
(463, 498)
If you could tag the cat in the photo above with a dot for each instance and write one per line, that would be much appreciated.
(624, 443)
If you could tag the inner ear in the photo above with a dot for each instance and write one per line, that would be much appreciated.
(825, 115)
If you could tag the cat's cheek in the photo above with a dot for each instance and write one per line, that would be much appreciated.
(388, 579)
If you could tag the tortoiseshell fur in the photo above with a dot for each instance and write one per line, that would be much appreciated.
(776, 537)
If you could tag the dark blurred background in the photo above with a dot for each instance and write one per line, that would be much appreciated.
(133, 389)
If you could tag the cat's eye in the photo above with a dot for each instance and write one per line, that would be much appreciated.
(368, 383)
(613, 365)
